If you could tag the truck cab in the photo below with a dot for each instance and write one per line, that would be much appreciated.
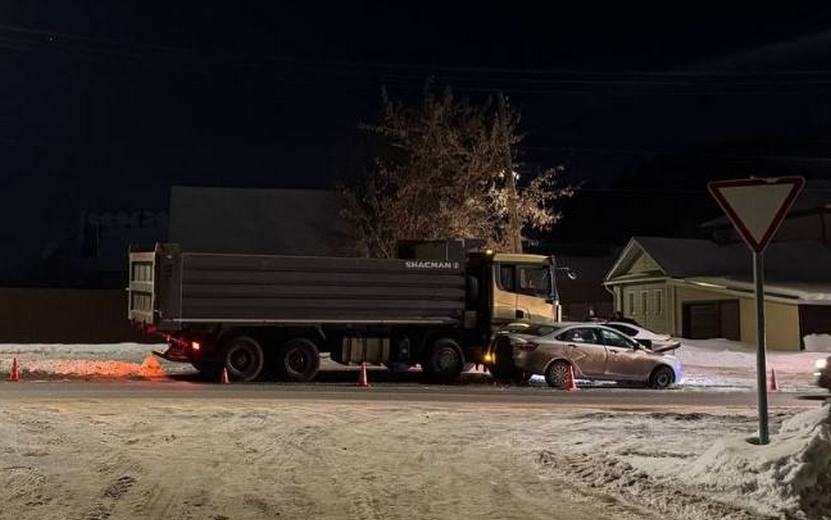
(524, 289)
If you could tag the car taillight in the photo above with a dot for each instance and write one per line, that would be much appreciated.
(528, 346)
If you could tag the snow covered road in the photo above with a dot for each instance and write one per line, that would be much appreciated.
(98, 432)
(228, 458)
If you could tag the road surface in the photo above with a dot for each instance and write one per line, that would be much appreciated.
(181, 448)
(184, 389)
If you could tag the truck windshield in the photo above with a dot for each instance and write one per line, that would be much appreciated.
(534, 280)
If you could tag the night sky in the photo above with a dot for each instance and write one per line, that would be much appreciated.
(104, 105)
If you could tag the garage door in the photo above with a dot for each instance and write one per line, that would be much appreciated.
(703, 320)
(814, 319)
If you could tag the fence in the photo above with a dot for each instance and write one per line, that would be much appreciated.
(34, 315)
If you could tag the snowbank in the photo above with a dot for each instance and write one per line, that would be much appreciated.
(724, 353)
(118, 360)
(791, 475)
(817, 342)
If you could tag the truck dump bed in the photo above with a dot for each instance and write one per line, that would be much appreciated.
(169, 288)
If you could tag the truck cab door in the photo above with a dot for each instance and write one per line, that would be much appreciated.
(504, 294)
(533, 287)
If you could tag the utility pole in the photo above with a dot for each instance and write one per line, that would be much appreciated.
(514, 228)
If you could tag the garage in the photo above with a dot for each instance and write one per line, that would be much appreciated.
(715, 319)
(814, 319)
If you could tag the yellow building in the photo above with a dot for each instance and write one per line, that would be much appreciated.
(698, 289)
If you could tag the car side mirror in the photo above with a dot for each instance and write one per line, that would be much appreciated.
(646, 343)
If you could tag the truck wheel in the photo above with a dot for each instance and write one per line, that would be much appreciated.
(445, 361)
(298, 360)
(243, 357)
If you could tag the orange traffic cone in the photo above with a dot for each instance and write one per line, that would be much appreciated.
(223, 377)
(14, 375)
(362, 379)
(571, 384)
(774, 386)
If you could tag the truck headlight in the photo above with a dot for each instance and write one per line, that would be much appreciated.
(821, 364)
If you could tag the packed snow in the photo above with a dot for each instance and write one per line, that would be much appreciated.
(791, 475)
(261, 459)
(731, 365)
(818, 343)
(119, 360)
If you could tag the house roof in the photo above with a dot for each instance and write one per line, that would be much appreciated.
(796, 264)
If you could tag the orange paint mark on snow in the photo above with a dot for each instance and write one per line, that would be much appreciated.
(149, 368)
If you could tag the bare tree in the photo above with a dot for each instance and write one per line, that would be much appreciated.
(446, 169)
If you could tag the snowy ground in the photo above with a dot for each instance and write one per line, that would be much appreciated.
(721, 363)
(237, 459)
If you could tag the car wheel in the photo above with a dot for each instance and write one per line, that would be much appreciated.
(556, 375)
(444, 361)
(243, 357)
(662, 377)
(298, 360)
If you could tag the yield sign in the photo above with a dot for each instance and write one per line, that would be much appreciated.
(756, 207)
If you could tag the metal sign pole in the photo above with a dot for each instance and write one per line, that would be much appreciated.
(761, 341)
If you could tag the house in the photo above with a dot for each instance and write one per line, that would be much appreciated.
(700, 289)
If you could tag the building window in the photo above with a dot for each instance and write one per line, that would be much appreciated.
(644, 303)
(630, 303)
(659, 303)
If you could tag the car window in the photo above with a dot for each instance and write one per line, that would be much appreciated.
(540, 330)
(579, 335)
(615, 339)
(629, 331)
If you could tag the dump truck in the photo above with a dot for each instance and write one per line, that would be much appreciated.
(436, 305)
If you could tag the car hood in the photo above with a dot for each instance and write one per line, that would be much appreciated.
(665, 346)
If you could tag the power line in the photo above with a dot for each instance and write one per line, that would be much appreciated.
(464, 78)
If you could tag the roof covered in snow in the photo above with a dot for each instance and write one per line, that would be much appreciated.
(799, 268)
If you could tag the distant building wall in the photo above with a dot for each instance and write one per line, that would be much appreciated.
(35, 315)
(259, 221)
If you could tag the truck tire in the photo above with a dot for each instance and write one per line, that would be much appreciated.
(242, 357)
(444, 361)
(298, 360)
